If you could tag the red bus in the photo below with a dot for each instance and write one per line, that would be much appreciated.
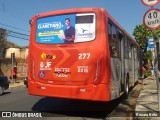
(81, 53)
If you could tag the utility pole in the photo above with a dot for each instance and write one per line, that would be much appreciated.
(156, 67)
(0, 46)
(151, 21)
(12, 58)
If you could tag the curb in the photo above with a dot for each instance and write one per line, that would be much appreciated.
(16, 84)
(147, 103)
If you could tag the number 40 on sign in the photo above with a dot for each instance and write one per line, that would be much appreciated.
(151, 19)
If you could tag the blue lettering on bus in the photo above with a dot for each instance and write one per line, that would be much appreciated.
(56, 25)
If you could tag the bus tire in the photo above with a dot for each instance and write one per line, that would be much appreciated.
(127, 86)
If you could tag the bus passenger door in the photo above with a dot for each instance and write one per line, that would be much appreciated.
(125, 66)
(122, 39)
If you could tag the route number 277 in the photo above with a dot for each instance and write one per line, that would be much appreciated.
(84, 56)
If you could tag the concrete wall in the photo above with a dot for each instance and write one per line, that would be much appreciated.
(12, 50)
(19, 52)
(21, 58)
(22, 67)
(6, 67)
(24, 53)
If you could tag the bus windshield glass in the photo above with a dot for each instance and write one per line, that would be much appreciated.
(66, 28)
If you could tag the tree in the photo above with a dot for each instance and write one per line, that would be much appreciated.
(141, 35)
(2, 34)
(148, 55)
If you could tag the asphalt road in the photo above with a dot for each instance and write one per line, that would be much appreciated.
(17, 99)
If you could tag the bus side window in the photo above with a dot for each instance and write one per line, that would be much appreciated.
(135, 53)
(113, 40)
(113, 49)
(112, 31)
(109, 31)
(130, 50)
(126, 49)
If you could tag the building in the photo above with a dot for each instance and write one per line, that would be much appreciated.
(19, 52)
(20, 60)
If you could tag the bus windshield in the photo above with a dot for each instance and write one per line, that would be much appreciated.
(66, 28)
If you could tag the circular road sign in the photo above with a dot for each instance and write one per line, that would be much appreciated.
(150, 2)
(151, 19)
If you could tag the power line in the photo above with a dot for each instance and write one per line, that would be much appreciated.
(18, 37)
(14, 27)
(3, 5)
(11, 12)
(16, 33)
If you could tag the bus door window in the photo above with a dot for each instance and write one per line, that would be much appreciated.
(120, 37)
(126, 49)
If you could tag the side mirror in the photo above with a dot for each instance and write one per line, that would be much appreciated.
(30, 22)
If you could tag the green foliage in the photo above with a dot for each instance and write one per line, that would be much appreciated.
(3, 34)
(8, 44)
(3, 41)
(142, 34)
(148, 55)
(147, 73)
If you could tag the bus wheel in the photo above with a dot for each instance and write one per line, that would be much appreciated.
(127, 87)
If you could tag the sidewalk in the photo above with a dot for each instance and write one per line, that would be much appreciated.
(18, 83)
(147, 103)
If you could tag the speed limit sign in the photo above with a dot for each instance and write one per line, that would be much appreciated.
(150, 2)
(151, 19)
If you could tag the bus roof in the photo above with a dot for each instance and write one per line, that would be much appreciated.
(116, 23)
